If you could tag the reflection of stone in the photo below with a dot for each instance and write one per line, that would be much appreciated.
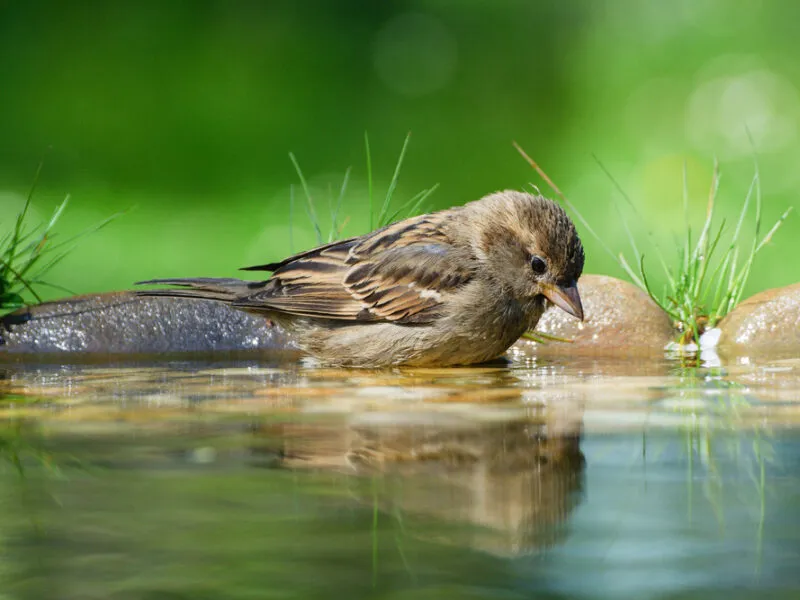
(120, 322)
(767, 324)
(620, 319)
(505, 486)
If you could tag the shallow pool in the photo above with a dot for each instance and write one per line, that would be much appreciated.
(266, 479)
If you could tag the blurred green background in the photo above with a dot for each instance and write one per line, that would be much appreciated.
(187, 110)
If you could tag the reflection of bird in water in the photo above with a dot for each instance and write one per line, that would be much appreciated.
(507, 487)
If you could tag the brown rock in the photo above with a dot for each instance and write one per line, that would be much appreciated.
(766, 324)
(620, 319)
(123, 323)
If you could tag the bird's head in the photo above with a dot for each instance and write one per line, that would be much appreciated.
(530, 246)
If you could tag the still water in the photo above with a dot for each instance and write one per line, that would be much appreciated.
(253, 478)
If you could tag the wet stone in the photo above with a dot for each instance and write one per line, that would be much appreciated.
(620, 319)
(766, 324)
(122, 323)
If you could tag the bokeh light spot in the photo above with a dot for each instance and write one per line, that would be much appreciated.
(721, 110)
(415, 54)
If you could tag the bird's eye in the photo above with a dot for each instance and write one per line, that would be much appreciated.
(538, 265)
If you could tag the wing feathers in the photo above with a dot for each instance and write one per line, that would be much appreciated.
(402, 273)
(335, 250)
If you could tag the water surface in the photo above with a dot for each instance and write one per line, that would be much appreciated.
(267, 479)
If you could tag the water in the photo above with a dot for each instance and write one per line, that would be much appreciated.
(258, 479)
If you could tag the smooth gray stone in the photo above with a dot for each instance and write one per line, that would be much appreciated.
(123, 323)
(766, 324)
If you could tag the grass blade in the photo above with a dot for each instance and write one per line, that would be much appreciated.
(774, 228)
(411, 207)
(637, 254)
(369, 182)
(395, 178)
(291, 219)
(687, 226)
(20, 279)
(564, 199)
(23, 253)
(335, 212)
(312, 213)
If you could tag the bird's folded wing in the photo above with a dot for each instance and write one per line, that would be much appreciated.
(403, 273)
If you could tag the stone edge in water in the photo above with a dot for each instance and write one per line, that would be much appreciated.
(123, 323)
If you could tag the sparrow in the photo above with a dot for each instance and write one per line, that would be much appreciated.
(453, 287)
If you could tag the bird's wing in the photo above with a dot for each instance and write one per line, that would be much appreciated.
(402, 273)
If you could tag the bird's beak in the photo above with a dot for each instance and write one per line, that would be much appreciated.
(565, 298)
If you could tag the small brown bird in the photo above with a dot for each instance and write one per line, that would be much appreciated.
(453, 287)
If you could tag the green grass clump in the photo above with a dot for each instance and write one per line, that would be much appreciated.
(28, 253)
(711, 271)
(386, 215)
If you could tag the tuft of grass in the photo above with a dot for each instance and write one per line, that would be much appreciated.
(28, 253)
(385, 215)
(708, 278)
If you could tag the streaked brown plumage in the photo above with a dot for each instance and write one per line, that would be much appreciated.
(457, 286)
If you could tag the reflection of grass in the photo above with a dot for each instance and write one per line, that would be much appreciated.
(16, 447)
(387, 213)
(28, 253)
(396, 528)
(21, 441)
(710, 275)
(712, 425)
(717, 437)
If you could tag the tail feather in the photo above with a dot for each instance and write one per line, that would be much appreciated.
(209, 288)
